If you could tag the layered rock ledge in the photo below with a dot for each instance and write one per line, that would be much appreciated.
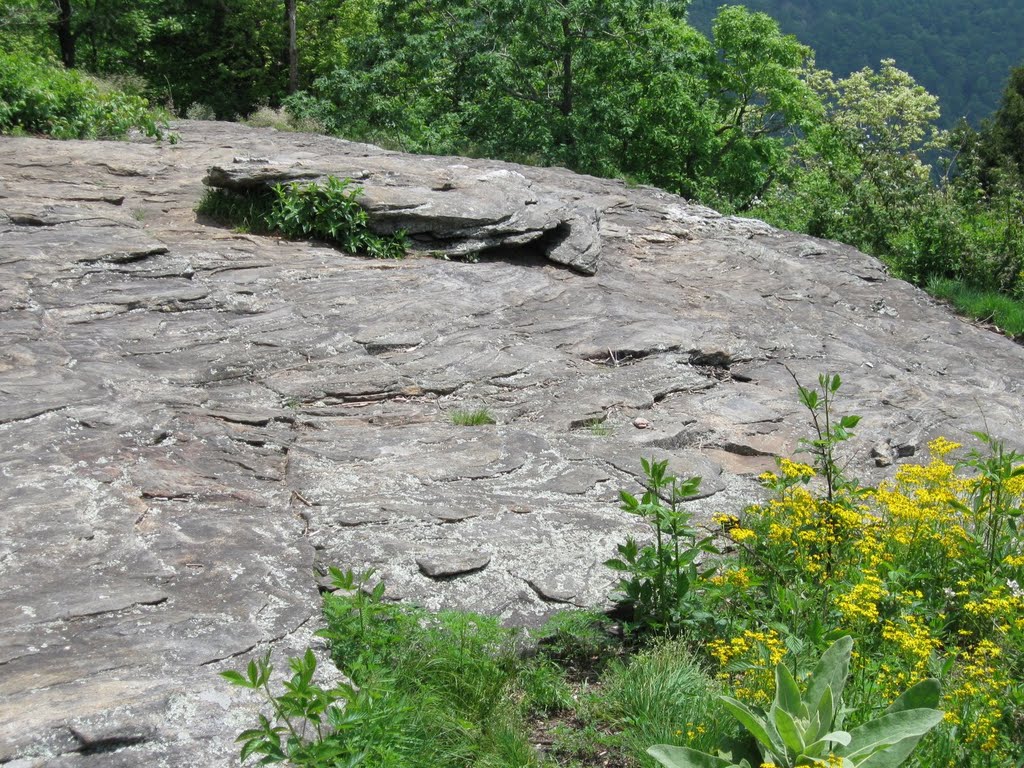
(195, 423)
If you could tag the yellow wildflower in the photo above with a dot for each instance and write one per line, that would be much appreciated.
(940, 446)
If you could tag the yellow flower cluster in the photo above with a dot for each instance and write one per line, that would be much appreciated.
(911, 641)
(808, 532)
(792, 470)
(917, 570)
(1015, 486)
(742, 534)
(940, 446)
(692, 731)
(733, 577)
(860, 604)
(999, 606)
(726, 522)
(976, 702)
(763, 650)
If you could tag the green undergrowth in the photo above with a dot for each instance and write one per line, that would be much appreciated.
(38, 97)
(1003, 311)
(456, 689)
(327, 210)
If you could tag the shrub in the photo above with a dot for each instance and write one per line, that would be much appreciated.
(923, 571)
(327, 210)
(281, 119)
(38, 97)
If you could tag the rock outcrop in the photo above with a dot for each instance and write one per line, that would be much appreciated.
(448, 209)
(195, 423)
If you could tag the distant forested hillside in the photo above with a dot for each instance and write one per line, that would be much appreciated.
(960, 51)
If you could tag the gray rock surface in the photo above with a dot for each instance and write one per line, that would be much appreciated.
(195, 423)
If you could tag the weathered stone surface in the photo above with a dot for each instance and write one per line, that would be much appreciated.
(196, 423)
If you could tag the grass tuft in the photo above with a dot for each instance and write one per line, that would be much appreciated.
(476, 418)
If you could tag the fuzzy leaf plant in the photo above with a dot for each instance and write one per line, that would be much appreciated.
(807, 729)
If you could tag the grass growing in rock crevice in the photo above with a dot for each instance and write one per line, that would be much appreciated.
(476, 418)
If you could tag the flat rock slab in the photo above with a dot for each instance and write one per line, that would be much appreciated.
(195, 423)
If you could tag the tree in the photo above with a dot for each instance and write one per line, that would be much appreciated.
(292, 54)
(1006, 131)
(65, 35)
(610, 87)
(857, 175)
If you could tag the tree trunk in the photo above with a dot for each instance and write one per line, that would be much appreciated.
(293, 48)
(566, 106)
(62, 26)
(565, 135)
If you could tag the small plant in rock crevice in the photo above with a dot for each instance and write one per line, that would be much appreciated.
(327, 210)
(475, 418)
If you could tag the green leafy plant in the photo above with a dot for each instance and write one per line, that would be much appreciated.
(807, 729)
(308, 721)
(829, 430)
(475, 418)
(992, 506)
(661, 574)
(327, 210)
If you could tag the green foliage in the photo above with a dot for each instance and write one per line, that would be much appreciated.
(425, 691)
(302, 716)
(1006, 132)
(960, 52)
(997, 472)
(327, 210)
(807, 728)
(281, 120)
(38, 97)
(477, 418)
(858, 175)
(861, 177)
(611, 88)
(661, 574)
